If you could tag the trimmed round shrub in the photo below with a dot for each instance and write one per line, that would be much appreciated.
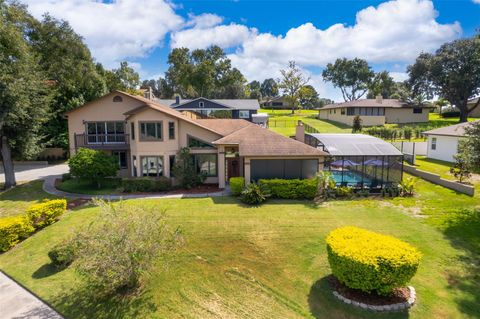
(236, 185)
(62, 255)
(371, 262)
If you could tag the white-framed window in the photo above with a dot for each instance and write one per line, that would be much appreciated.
(201, 104)
(433, 146)
(244, 114)
(152, 165)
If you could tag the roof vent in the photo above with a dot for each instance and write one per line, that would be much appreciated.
(379, 99)
(177, 99)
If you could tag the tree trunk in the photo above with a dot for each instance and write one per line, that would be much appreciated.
(7, 163)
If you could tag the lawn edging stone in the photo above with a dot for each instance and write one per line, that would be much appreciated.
(382, 308)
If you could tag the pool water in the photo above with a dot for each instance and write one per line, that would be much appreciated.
(351, 178)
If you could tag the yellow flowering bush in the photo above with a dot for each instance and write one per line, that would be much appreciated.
(47, 212)
(371, 262)
(12, 230)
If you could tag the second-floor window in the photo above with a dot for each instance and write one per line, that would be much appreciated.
(171, 130)
(105, 132)
(151, 131)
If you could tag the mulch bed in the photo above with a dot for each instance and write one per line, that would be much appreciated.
(399, 295)
(71, 204)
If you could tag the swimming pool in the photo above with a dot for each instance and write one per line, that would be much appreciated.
(350, 178)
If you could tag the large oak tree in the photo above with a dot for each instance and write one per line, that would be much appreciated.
(23, 89)
(452, 73)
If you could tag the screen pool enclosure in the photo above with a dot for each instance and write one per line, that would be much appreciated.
(358, 160)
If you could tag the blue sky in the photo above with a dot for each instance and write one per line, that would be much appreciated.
(260, 37)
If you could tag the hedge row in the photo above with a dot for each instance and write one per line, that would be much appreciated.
(13, 229)
(291, 188)
(371, 262)
(146, 184)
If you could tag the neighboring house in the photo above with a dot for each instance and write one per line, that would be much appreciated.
(443, 142)
(220, 108)
(476, 111)
(377, 111)
(279, 102)
(146, 137)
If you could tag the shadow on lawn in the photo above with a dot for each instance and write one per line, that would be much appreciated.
(323, 304)
(83, 303)
(463, 230)
(45, 270)
(231, 200)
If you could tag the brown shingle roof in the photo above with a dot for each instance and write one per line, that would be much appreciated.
(452, 130)
(254, 140)
(224, 126)
(388, 103)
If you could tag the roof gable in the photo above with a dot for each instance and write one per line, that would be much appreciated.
(201, 103)
(452, 130)
(256, 141)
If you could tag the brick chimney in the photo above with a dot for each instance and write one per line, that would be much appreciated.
(300, 132)
(379, 99)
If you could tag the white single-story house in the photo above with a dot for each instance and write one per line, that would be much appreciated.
(475, 112)
(443, 142)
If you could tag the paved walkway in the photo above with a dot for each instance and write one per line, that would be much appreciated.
(30, 172)
(49, 187)
(18, 303)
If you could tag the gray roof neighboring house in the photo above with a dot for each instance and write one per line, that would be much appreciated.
(452, 130)
(235, 104)
(388, 103)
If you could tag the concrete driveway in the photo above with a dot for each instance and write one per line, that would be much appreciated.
(30, 172)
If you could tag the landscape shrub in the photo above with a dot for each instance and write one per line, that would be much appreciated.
(66, 177)
(343, 192)
(47, 212)
(93, 165)
(123, 243)
(12, 230)
(236, 185)
(63, 254)
(254, 194)
(146, 184)
(185, 171)
(407, 186)
(290, 188)
(371, 262)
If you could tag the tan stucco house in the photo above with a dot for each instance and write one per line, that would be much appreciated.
(147, 135)
(378, 111)
(474, 106)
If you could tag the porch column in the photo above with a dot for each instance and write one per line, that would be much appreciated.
(247, 175)
(320, 163)
(221, 167)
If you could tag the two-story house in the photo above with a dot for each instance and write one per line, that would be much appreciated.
(146, 137)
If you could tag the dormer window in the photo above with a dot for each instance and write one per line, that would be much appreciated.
(117, 98)
(201, 104)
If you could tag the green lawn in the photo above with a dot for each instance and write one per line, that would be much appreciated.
(270, 261)
(441, 168)
(79, 186)
(16, 200)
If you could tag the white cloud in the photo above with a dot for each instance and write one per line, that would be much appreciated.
(399, 76)
(116, 30)
(476, 1)
(204, 20)
(225, 36)
(393, 32)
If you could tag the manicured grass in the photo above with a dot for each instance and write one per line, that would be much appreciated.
(272, 113)
(80, 186)
(269, 261)
(16, 200)
(441, 168)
